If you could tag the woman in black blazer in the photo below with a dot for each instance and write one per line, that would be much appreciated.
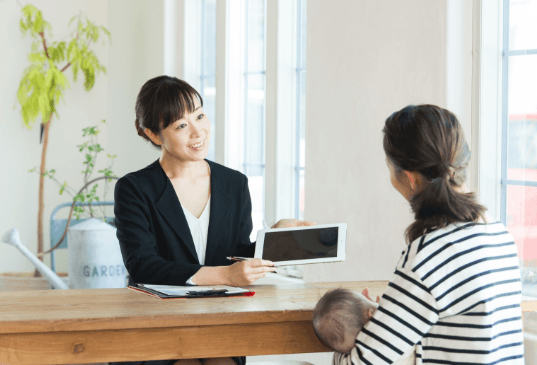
(153, 231)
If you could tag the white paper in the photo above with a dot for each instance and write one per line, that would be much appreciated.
(184, 290)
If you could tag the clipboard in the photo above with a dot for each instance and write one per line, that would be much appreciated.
(194, 291)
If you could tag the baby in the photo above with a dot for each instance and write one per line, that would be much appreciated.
(340, 315)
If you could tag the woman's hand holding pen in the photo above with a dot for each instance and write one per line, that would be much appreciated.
(246, 272)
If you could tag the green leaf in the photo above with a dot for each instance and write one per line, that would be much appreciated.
(79, 198)
(63, 187)
(107, 32)
(32, 20)
(32, 95)
(23, 27)
(72, 19)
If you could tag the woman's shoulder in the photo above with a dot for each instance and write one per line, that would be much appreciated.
(442, 243)
(150, 179)
(457, 231)
(215, 166)
(226, 175)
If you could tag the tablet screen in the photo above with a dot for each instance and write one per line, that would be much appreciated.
(300, 244)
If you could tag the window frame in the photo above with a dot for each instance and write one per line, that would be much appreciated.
(486, 103)
(506, 56)
(300, 73)
(490, 115)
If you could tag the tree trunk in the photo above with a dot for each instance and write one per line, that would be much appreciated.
(41, 210)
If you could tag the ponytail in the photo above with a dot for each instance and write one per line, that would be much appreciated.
(429, 140)
(440, 204)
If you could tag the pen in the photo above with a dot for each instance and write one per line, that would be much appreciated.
(207, 292)
(238, 258)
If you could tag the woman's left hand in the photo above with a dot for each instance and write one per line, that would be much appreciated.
(285, 223)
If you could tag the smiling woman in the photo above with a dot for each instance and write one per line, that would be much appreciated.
(180, 217)
(165, 100)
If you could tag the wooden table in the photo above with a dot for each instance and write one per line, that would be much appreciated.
(101, 325)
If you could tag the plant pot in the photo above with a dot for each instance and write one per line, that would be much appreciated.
(15, 281)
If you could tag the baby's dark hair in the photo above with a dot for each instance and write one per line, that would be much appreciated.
(160, 102)
(338, 317)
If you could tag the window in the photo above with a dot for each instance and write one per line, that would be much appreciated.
(255, 93)
(254, 106)
(200, 57)
(518, 200)
(508, 124)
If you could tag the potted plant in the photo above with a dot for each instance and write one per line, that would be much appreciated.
(92, 245)
(44, 82)
(91, 148)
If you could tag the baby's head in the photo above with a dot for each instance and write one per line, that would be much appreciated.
(339, 316)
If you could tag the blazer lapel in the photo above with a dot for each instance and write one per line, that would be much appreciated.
(170, 208)
(220, 203)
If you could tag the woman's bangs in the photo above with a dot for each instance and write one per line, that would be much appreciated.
(174, 102)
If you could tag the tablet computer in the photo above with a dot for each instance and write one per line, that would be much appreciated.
(302, 245)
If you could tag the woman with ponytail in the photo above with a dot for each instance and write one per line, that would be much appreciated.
(456, 291)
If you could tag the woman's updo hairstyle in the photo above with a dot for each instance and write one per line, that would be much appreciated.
(161, 101)
(429, 140)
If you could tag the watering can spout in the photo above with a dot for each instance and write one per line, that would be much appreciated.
(12, 237)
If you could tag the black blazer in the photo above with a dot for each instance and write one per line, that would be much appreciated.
(153, 233)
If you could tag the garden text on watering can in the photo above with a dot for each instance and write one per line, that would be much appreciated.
(94, 256)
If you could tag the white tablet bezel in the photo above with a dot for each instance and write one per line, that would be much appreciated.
(342, 237)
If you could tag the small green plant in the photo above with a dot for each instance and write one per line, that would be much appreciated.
(44, 82)
(90, 148)
(88, 193)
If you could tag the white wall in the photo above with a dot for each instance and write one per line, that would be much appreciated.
(365, 60)
(134, 56)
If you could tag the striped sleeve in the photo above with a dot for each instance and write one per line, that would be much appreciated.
(406, 312)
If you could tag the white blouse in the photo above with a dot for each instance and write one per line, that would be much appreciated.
(199, 228)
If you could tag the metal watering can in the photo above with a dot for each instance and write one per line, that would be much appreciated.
(94, 257)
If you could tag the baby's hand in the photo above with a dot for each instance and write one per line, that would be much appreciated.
(365, 293)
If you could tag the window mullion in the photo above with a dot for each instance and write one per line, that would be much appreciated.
(280, 112)
(221, 81)
(271, 84)
(521, 52)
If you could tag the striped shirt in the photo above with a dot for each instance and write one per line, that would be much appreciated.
(456, 295)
